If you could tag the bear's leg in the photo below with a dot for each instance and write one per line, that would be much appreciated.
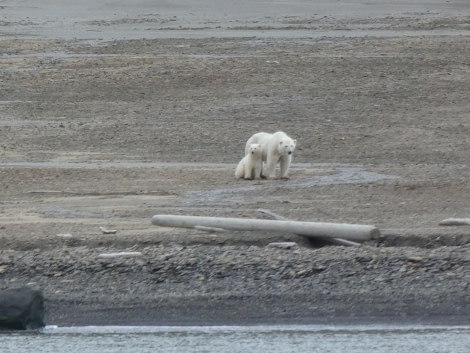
(248, 173)
(269, 167)
(285, 164)
(257, 171)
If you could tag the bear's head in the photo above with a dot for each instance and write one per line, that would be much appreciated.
(286, 146)
(254, 149)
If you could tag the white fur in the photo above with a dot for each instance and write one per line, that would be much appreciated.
(276, 148)
(250, 166)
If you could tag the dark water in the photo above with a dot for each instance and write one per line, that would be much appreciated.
(243, 339)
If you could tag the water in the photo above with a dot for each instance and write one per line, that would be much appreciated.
(243, 339)
(342, 175)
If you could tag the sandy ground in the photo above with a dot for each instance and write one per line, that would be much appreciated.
(97, 133)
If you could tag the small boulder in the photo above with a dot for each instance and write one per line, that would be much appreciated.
(21, 309)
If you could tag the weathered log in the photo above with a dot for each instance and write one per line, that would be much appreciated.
(336, 241)
(455, 222)
(316, 229)
(21, 309)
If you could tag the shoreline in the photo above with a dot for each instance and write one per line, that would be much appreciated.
(254, 284)
(134, 317)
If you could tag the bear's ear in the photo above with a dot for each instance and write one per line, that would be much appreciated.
(295, 142)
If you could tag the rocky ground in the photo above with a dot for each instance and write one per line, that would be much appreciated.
(109, 135)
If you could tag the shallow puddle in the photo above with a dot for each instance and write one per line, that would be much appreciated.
(342, 175)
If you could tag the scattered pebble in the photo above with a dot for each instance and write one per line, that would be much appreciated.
(121, 254)
(108, 231)
(66, 235)
(283, 245)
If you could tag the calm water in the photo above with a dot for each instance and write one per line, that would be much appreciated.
(243, 339)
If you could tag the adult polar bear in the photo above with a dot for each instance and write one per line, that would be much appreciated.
(275, 148)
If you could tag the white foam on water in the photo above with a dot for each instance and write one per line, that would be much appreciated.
(55, 329)
(241, 339)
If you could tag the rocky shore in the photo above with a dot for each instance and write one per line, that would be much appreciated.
(246, 283)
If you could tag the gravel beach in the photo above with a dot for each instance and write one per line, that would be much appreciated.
(133, 113)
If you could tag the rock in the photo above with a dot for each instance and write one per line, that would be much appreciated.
(121, 254)
(415, 259)
(283, 244)
(66, 235)
(108, 231)
(21, 309)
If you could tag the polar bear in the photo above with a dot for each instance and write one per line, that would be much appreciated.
(250, 166)
(275, 148)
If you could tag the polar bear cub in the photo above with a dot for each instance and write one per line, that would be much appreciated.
(250, 166)
(275, 148)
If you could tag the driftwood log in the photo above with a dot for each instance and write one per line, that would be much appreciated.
(336, 241)
(354, 232)
(455, 222)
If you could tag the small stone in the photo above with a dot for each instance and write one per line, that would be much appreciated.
(108, 231)
(64, 235)
(283, 245)
(121, 254)
(415, 259)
